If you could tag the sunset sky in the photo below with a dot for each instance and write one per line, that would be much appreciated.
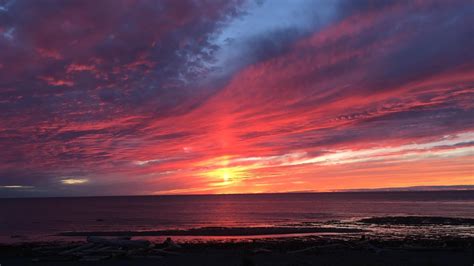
(124, 97)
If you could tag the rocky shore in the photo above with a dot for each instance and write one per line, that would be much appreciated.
(333, 247)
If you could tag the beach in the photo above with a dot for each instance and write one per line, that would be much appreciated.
(256, 246)
(287, 251)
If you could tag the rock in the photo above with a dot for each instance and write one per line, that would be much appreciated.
(93, 258)
(247, 262)
(169, 243)
(261, 250)
(77, 249)
(119, 242)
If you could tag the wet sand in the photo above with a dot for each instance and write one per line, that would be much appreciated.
(220, 231)
(418, 220)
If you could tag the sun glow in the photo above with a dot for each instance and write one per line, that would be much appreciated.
(225, 176)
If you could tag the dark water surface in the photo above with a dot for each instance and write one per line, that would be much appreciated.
(31, 218)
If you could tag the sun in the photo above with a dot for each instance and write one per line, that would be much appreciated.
(220, 172)
(226, 176)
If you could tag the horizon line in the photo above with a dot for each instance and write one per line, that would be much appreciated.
(361, 190)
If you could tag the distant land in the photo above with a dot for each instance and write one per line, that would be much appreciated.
(388, 189)
(415, 188)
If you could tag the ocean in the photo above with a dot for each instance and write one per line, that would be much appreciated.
(35, 219)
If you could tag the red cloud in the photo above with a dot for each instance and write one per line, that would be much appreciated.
(56, 82)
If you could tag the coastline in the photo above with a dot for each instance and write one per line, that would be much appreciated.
(309, 250)
(331, 246)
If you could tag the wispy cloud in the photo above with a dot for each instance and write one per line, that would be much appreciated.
(16, 187)
(74, 181)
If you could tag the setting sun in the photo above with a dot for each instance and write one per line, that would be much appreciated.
(226, 176)
(221, 176)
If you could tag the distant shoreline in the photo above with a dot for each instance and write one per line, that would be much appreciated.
(469, 189)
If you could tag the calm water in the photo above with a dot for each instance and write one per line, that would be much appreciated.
(48, 216)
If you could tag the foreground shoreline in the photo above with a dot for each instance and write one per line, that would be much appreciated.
(308, 250)
(431, 241)
(358, 226)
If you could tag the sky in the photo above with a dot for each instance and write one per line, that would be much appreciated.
(125, 97)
